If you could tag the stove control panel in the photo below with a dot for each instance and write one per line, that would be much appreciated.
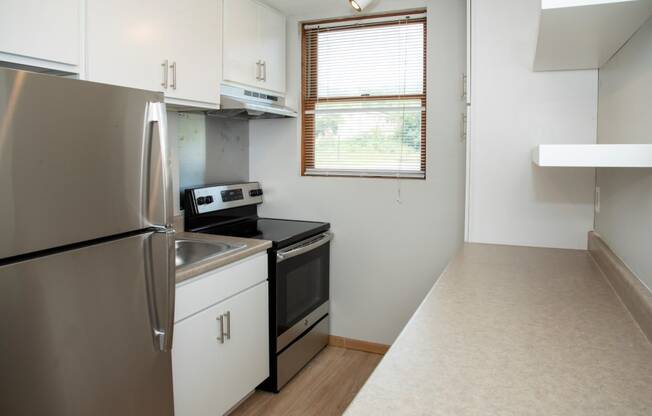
(218, 197)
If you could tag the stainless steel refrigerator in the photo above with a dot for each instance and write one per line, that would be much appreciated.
(86, 249)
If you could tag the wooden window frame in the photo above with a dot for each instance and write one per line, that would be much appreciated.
(308, 104)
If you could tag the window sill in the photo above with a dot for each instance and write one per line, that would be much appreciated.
(365, 174)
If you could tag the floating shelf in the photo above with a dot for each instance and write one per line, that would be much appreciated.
(585, 34)
(594, 155)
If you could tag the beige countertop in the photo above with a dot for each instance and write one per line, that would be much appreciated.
(195, 269)
(515, 331)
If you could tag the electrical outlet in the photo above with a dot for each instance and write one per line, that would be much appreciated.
(597, 199)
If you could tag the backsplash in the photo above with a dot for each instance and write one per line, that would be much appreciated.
(206, 150)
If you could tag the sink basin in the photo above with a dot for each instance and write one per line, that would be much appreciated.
(192, 251)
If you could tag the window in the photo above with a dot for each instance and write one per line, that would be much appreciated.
(364, 97)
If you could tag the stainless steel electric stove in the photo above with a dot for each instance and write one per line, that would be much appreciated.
(298, 270)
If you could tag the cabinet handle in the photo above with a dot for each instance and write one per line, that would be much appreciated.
(265, 71)
(464, 132)
(173, 67)
(464, 86)
(258, 71)
(164, 84)
(220, 319)
(228, 325)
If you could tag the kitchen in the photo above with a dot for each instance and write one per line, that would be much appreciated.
(325, 207)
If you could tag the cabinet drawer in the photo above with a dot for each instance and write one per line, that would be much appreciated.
(210, 288)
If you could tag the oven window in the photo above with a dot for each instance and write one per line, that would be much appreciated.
(302, 291)
(302, 286)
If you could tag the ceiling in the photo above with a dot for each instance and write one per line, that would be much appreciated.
(314, 9)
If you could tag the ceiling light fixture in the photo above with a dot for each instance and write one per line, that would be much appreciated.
(359, 5)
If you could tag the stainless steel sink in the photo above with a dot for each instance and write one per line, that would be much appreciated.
(193, 251)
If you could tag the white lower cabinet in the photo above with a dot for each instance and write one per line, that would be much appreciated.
(221, 354)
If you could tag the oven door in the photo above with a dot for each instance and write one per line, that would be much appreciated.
(302, 287)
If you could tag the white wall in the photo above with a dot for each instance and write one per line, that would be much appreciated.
(513, 109)
(392, 238)
(625, 116)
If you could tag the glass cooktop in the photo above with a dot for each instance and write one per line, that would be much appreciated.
(281, 233)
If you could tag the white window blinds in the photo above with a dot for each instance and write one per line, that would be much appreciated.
(364, 97)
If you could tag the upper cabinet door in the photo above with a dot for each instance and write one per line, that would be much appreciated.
(271, 44)
(193, 40)
(164, 45)
(41, 33)
(126, 43)
(241, 58)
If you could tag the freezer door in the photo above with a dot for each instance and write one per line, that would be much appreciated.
(88, 332)
(78, 161)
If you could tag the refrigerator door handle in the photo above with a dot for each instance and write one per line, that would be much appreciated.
(160, 280)
(157, 187)
(171, 287)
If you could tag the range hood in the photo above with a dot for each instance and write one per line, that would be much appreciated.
(247, 104)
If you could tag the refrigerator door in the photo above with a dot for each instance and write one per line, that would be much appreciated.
(78, 161)
(88, 331)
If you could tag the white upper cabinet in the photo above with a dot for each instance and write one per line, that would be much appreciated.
(126, 43)
(240, 54)
(585, 34)
(271, 35)
(41, 33)
(162, 45)
(254, 45)
(193, 40)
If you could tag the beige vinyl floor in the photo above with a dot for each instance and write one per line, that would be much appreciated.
(325, 387)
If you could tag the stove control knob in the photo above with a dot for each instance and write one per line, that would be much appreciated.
(255, 192)
(208, 200)
(201, 200)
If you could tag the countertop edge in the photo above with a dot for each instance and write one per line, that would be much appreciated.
(193, 270)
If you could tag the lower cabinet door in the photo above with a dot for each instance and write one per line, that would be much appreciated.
(246, 357)
(211, 376)
(197, 365)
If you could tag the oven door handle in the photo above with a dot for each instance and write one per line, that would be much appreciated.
(304, 248)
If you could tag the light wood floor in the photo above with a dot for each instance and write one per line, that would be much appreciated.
(325, 387)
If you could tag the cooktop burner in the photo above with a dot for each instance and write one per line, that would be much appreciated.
(282, 233)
